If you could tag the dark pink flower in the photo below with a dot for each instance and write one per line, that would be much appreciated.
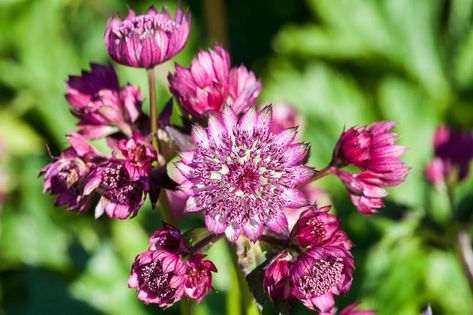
(198, 277)
(453, 150)
(277, 277)
(168, 238)
(365, 190)
(121, 193)
(147, 40)
(319, 274)
(139, 154)
(372, 148)
(102, 107)
(65, 176)
(159, 277)
(209, 83)
(315, 227)
(242, 175)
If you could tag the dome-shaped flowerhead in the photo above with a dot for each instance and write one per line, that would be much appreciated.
(198, 277)
(277, 277)
(319, 274)
(159, 277)
(209, 83)
(168, 238)
(65, 177)
(242, 175)
(121, 193)
(372, 148)
(453, 152)
(101, 105)
(147, 40)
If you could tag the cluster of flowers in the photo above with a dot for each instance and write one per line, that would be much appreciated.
(244, 168)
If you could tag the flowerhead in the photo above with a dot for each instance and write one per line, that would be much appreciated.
(139, 154)
(101, 105)
(209, 83)
(198, 277)
(147, 40)
(277, 277)
(242, 175)
(159, 277)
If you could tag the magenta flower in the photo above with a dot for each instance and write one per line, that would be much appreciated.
(65, 176)
(168, 238)
(453, 150)
(147, 40)
(122, 193)
(139, 155)
(372, 148)
(198, 277)
(315, 227)
(102, 107)
(319, 274)
(209, 83)
(277, 277)
(242, 175)
(365, 191)
(159, 277)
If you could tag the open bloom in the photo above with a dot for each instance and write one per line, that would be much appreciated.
(101, 105)
(198, 277)
(139, 154)
(65, 177)
(159, 277)
(453, 151)
(147, 40)
(209, 83)
(319, 274)
(242, 175)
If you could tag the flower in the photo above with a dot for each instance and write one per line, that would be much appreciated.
(139, 154)
(315, 227)
(319, 274)
(209, 83)
(364, 188)
(372, 148)
(276, 277)
(147, 40)
(102, 107)
(198, 277)
(453, 150)
(122, 193)
(242, 175)
(65, 176)
(159, 277)
(168, 238)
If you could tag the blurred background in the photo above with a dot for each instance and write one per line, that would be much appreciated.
(339, 62)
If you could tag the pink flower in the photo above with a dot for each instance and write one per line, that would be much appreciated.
(198, 277)
(453, 150)
(277, 277)
(102, 107)
(285, 116)
(319, 274)
(365, 190)
(168, 238)
(139, 154)
(315, 227)
(372, 148)
(122, 193)
(159, 277)
(147, 40)
(242, 175)
(209, 83)
(65, 177)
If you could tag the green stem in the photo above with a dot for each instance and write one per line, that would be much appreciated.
(322, 173)
(466, 255)
(166, 211)
(152, 111)
(209, 239)
(186, 307)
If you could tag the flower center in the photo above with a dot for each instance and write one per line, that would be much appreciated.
(117, 186)
(153, 278)
(146, 25)
(321, 277)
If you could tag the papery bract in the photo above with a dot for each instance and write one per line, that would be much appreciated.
(147, 40)
(159, 277)
(198, 277)
(242, 175)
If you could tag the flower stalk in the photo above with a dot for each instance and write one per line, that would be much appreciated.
(152, 110)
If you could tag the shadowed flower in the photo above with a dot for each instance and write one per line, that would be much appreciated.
(242, 175)
(276, 277)
(198, 277)
(65, 177)
(147, 40)
(209, 83)
(319, 274)
(122, 194)
(453, 150)
(159, 277)
(139, 155)
(168, 238)
(102, 107)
